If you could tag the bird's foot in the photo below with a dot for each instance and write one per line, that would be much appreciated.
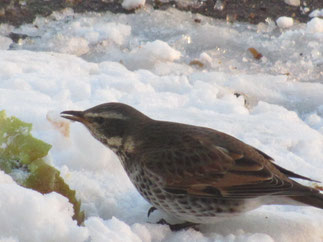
(152, 209)
(173, 227)
(177, 227)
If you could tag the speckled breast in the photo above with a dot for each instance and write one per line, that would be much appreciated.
(183, 206)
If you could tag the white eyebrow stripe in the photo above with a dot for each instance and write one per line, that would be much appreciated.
(107, 115)
(129, 144)
(115, 141)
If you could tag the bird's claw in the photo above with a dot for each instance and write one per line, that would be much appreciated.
(152, 209)
(173, 227)
(177, 227)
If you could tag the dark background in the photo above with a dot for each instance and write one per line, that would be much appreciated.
(17, 12)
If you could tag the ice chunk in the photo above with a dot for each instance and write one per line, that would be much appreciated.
(133, 4)
(293, 2)
(284, 22)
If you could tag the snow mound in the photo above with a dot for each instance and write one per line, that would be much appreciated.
(315, 25)
(47, 217)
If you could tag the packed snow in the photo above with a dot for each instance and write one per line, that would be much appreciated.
(170, 67)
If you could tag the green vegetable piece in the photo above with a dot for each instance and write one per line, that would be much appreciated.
(21, 156)
(45, 179)
(17, 143)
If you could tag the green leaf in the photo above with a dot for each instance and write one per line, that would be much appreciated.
(21, 156)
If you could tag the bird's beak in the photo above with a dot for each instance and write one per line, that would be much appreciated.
(74, 116)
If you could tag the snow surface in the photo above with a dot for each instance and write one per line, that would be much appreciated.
(76, 61)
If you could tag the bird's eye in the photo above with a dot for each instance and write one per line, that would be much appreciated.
(99, 120)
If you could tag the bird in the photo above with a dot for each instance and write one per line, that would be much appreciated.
(196, 174)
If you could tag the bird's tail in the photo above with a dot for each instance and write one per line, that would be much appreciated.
(313, 199)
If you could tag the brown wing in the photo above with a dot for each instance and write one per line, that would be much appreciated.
(206, 169)
(283, 170)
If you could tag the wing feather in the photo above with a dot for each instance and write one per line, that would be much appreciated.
(210, 170)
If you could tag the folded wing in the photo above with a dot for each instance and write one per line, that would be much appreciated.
(208, 170)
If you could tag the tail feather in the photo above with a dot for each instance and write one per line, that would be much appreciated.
(314, 199)
(292, 174)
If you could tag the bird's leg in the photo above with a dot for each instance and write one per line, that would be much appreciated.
(173, 227)
(177, 227)
(151, 209)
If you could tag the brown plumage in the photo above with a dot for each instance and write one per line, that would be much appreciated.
(194, 173)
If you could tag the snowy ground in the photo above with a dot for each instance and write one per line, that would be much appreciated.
(77, 61)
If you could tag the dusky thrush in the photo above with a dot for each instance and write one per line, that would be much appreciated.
(196, 174)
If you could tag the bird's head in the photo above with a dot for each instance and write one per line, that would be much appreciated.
(110, 123)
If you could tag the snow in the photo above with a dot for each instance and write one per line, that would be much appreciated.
(315, 25)
(76, 61)
(285, 22)
(293, 2)
(132, 4)
(5, 42)
(316, 13)
(28, 216)
(205, 58)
